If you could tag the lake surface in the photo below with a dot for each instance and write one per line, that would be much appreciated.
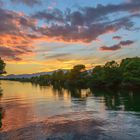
(46, 113)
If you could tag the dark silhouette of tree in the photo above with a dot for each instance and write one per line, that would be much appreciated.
(2, 66)
(130, 68)
(112, 74)
(2, 71)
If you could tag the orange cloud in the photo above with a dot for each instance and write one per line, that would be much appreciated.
(14, 47)
(20, 33)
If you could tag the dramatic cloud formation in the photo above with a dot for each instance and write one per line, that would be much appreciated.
(14, 31)
(14, 54)
(86, 34)
(117, 46)
(87, 15)
(15, 23)
(21, 32)
(86, 24)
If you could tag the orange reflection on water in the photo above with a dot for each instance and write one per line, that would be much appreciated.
(25, 103)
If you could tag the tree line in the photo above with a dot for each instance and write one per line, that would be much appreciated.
(2, 71)
(111, 74)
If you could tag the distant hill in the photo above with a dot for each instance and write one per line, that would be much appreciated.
(11, 76)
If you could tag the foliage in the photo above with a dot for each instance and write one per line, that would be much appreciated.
(2, 66)
(130, 68)
(108, 75)
(112, 74)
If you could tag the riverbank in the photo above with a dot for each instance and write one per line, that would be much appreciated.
(110, 75)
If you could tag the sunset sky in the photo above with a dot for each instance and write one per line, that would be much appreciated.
(45, 35)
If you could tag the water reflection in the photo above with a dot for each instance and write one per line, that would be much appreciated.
(74, 92)
(119, 100)
(27, 102)
(123, 100)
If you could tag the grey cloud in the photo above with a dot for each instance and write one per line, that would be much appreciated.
(126, 43)
(13, 54)
(27, 2)
(117, 46)
(117, 37)
(111, 48)
(86, 24)
(56, 15)
(83, 33)
(87, 15)
(58, 56)
(12, 22)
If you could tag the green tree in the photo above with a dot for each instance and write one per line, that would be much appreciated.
(2, 66)
(111, 73)
(130, 68)
(108, 75)
(75, 73)
(97, 76)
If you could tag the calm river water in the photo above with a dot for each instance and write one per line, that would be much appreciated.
(46, 113)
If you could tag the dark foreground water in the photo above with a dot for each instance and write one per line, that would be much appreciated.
(30, 112)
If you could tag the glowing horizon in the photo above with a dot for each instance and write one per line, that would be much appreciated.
(45, 35)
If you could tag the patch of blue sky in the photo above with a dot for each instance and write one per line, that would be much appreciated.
(60, 4)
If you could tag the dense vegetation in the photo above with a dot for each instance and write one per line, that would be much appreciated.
(112, 74)
(2, 68)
